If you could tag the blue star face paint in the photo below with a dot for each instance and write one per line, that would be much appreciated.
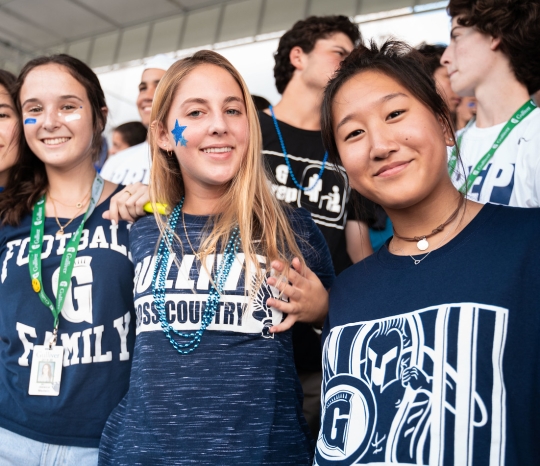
(178, 133)
(30, 121)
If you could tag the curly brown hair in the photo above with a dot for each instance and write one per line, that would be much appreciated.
(516, 23)
(304, 34)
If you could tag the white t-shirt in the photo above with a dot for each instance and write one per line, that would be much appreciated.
(128, 166)
(512, 176)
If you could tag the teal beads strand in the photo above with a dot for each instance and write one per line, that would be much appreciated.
(158, 285)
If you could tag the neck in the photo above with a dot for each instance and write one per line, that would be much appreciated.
(422, 218)
(498, 99)
(202, 202)
(300, 106)
(73, 185)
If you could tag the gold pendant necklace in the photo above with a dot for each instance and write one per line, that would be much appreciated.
(61, 227)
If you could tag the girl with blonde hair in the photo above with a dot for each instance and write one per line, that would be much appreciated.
(220, 386)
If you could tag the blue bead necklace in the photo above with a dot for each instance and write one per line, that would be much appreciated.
(280, 137)
(158, 284)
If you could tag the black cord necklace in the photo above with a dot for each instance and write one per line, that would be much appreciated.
(421, 241)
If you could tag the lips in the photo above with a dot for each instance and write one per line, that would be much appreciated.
(217, 150)
(392, 168)
(54, 141)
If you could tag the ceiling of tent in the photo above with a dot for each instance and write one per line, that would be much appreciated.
(104, 33)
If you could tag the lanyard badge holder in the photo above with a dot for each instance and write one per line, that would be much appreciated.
(47, 360)
(515, 120)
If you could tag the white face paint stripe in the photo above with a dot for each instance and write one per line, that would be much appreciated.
(73, 116)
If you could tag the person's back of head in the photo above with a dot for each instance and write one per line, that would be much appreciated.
(431, 54)
(132, 132)
(304, 34)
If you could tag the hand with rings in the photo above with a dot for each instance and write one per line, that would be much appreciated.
(128, 203)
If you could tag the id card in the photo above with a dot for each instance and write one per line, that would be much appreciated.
(46, 371)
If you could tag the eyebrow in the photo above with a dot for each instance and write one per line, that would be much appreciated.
(145, 83)
(199, 100)
(62, 97)
(7, 106)
(382, 100)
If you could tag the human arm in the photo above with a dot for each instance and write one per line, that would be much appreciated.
(128, 204)
(357, 238)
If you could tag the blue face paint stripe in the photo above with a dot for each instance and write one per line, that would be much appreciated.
(30, 121)
(178, 133)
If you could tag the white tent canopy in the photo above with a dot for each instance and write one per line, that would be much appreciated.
(105, 33)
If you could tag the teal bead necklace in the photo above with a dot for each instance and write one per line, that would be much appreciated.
(284, 150)
(158, 285)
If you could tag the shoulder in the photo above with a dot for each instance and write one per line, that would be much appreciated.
(143, 237)
(520, 220)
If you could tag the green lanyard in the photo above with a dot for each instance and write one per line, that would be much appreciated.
(68, 258)
(516, 118)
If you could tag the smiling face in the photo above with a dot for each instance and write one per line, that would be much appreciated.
(207, 129)
(469, 58)
(392, 146)
(319, 65)
(147, 88)
(9, 144)
(57, 117)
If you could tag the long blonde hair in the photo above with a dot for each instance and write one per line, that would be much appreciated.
(247, 201)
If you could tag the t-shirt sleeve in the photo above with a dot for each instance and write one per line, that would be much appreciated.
(313, 246)
(527, 183)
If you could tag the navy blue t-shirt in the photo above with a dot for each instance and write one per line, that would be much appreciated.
(438, 363)
(96, 329)
(236, 398)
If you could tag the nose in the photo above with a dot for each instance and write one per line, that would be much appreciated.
(445, 58)
(218, 125)
(382, 142)
(51, 119)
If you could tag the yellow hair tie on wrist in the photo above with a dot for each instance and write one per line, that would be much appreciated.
(161, 208)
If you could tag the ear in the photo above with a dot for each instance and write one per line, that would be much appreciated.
(161, 135)
(105, 112)
(296, 57)
(447, 133)
(495, 43)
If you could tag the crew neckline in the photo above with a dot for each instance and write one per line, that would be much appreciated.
(389, 260)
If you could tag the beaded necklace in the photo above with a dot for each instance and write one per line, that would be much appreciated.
(280, 137)
(216, 288)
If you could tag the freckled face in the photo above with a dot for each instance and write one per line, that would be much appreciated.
(468, 58)
(9, 144)
(210, 104)
(392, 146)
(57, 116)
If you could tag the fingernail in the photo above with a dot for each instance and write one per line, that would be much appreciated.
(113, 221)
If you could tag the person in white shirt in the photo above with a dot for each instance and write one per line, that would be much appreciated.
(493, 55)
(132, 165)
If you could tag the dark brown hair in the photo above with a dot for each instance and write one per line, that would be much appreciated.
(7, 80)
(28, 178)
(305, 34)
(395, 60)
(132, 132)
(516, 23)
(431, 55)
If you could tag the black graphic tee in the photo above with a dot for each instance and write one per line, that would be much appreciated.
(96, 330)
(438, 363)
(328, 204)
(236, 398)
